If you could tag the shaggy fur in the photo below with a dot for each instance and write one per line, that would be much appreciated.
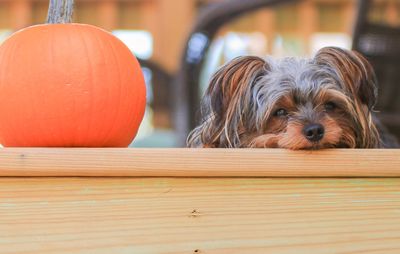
(253, 102)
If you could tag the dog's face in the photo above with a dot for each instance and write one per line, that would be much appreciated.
(323, 102)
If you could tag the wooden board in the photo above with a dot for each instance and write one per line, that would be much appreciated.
(201, 215)
(199, 201)
(200, 162)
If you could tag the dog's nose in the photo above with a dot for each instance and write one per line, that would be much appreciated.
(314, 132)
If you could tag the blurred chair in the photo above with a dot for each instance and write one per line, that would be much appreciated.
(380, 43)
(159, 94)
(187, 87)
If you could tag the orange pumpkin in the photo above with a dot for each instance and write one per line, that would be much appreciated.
(69, 85)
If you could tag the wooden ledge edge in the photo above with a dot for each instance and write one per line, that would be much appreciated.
(182, 162)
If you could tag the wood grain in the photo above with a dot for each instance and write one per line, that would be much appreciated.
(202, 215)
(199, 162)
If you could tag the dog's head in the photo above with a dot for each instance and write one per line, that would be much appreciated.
(290, 103)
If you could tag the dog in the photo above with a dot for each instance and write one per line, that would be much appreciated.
(323, 102)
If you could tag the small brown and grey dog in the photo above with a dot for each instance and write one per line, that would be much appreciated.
(323, 102)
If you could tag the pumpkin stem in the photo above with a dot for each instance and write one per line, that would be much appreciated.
(60, 11)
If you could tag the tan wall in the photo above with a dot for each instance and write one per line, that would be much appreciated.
(169, 21)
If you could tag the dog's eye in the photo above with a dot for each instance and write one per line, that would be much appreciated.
(281, 112)
(330, 106)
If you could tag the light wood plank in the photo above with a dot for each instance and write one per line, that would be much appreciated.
(199, 162)
(161, 215)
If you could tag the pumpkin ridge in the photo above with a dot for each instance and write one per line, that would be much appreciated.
(138, 104)
(104, 131)
(33, 107)
(116, 114)
(60, 128)
(72, 135)
(10, 51)
(18, 138)
(137, 117)
(89, 72)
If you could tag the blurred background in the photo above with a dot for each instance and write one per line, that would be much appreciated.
(180, 43)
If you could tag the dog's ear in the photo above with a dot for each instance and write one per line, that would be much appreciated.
(359, 80)
(223, 103)
(354, 70)
(232, 80)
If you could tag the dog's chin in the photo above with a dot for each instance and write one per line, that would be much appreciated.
(301, 143)
(306, 145)
(293, 143)
(295, 140)
(314, 146)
